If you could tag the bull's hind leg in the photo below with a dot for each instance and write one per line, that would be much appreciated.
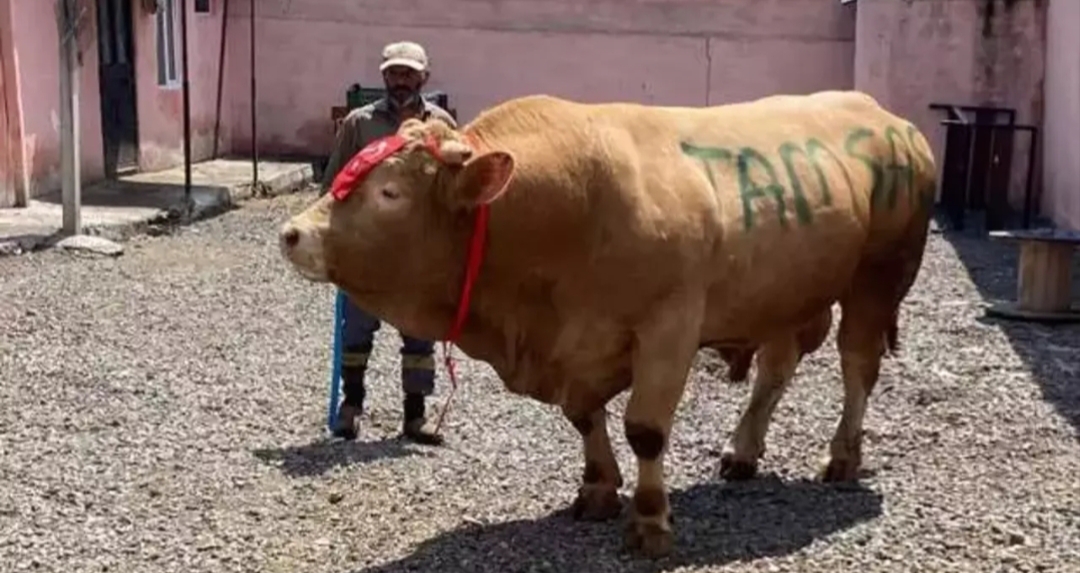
(776, 362)
(598, 497)
(663, 352)
(866, 318)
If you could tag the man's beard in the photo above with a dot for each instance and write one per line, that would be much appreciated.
(403, 96)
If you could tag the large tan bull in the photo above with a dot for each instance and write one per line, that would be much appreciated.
(622, 238)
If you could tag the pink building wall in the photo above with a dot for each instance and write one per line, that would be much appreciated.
(34, 130)
(1061, 137)
(691, 52)
(160, 109)
(12, 185)
(910, 54)
(35, 58)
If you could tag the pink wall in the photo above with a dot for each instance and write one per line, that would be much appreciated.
(35, 85)
(36, 58)
(1061, 137)
(160, 109)
(484, 51)
(12, 184)
(909, 54)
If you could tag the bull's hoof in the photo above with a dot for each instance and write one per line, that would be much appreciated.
(597, 503)
(733, 469)
(649, 539)
(840, 470)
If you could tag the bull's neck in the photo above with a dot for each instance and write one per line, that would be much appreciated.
(473, 326)
(474, 260)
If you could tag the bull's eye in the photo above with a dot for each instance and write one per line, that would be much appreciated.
(388, 193)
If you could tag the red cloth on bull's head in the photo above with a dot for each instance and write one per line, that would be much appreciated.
(362, 163)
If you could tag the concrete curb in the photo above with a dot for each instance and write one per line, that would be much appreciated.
(208, 201)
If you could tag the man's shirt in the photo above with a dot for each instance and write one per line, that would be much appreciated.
(366, 124)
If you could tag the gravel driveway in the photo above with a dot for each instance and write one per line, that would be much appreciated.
(163, 412)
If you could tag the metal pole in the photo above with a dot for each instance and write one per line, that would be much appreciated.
(221, 73)
(187, 104)
(1029, 205)
(69, 119)
(254, 131)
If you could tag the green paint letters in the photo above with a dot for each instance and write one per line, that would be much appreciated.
(886, 176)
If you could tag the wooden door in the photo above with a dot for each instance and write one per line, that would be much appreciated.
(116, 74)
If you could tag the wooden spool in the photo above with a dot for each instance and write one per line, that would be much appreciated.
(1044, 276)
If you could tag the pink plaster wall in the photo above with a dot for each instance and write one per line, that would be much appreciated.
(160, 109)
(909, 54)
(12, 183)
(691, 52)
(36, 61)
(1061, 138)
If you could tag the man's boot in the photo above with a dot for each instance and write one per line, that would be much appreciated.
(417, 427)
(352, 405)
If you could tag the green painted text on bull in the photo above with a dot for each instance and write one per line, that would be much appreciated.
(750, 190)
(885, 175)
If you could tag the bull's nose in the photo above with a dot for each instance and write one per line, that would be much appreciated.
(289, 237)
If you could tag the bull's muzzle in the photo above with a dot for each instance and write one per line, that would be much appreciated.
(301, 245)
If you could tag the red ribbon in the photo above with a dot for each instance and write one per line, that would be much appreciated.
(362, 163)
(473, 259)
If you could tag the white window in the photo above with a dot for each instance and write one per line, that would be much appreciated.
(168, 45)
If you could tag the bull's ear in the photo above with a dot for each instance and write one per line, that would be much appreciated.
(483, 179)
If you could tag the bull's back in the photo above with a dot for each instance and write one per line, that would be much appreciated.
(772, 202)
(794, 192)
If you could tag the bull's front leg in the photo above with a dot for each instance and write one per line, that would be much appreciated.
(598, 496)
(663, 354)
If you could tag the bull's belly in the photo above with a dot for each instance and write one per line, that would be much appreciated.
(583, 366)
(764, 303)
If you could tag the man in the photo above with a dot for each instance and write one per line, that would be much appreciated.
(405, 71)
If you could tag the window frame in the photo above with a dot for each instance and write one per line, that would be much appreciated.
(166, 52)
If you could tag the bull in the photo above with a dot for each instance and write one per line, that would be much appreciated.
(619, 239)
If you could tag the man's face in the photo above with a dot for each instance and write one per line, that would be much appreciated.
(403, 84)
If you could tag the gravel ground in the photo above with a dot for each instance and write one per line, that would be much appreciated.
(163, 412)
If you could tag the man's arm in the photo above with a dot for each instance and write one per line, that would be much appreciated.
(346, 144)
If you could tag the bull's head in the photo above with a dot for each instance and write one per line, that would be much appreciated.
(393, 230)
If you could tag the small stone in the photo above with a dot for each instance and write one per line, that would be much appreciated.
(91, 244)
(10, 248)
(335, 497)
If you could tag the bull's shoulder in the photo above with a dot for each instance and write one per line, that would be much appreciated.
(846, 98)
(530, 105)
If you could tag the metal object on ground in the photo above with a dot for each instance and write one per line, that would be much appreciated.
(977, 164)
(1044, 277)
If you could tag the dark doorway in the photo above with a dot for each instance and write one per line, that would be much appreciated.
(116, 73)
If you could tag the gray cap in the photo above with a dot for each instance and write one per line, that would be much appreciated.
(408, 54)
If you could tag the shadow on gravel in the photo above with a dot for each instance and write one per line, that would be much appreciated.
(322, 455)
(715, 523)
(1051, 352)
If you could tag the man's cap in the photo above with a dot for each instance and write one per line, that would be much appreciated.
(409, 54)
